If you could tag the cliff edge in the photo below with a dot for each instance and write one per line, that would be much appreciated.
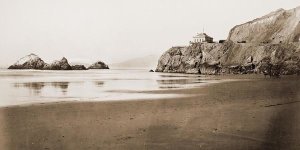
(269, 44)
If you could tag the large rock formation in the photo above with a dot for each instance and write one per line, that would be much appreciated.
(191, 59)
(58, 65)
(30, 61)
(244, 55)
(98, 65)
(272, 41)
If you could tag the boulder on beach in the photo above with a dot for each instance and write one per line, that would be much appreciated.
(30, 61)
(98, 65)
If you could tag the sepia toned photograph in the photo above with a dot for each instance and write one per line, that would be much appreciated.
(149, 75)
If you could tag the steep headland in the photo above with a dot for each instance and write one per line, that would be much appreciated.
(277, 27)
(269, 44)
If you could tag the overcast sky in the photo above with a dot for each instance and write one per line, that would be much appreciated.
(117, 30)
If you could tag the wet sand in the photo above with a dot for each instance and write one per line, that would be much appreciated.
(250, 114)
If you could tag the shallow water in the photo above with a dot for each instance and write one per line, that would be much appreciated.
(36, 86)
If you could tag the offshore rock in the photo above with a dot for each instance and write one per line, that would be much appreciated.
(58, 65)
(78, 67)
(30, 61)
(98, 65)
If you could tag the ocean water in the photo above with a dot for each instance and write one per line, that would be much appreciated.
(36, 86)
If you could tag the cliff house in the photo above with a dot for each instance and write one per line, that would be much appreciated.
(203, 38)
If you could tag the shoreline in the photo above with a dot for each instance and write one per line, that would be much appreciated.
(168, 93)
(255, 114)
(220, 79)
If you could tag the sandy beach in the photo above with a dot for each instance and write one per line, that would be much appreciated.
(251, 114)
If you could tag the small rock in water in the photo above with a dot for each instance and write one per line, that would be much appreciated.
(98, 65)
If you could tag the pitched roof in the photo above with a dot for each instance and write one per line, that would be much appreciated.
(199, 35)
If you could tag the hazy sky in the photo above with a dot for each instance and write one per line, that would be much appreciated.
(117, 30)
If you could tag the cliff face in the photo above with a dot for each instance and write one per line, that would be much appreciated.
(272, 41)
(243, 55)
(277, 27)
(191, 59)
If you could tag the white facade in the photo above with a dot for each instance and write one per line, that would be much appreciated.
(202, 38)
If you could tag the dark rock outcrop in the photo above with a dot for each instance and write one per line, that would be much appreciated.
(272, 40)
(98, 65)
(30, 61)
(58, 65)
(196, 58)
(78, 67)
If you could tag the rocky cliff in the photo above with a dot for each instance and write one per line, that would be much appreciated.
(277, 27)
(197, 58)
(262, 45)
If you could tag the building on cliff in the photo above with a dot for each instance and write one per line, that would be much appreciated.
(202, 38)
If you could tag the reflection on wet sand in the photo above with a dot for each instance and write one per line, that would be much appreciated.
(180, 76)
(169, 87)
(38, 86)
(258, 115)
(35, 86)
(99, 83)
(61, 85)
(179, 81)
(171, 82)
